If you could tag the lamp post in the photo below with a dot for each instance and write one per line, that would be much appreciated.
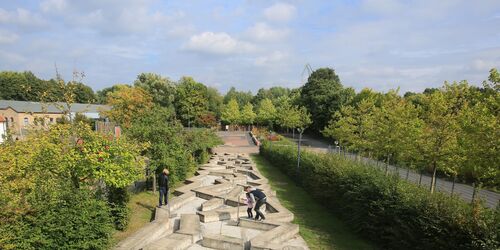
(337, 148)
(298, 147)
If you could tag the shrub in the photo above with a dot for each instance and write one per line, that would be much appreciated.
(75, 219)
(117, 201)
(392, 212)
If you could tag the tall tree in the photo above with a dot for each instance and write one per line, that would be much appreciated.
(247, 114)
(231, 113)
(192, 100)
(128, 103)
(215, 101)
(161, 89)
(323, 95)
(240, 96)
(266, 113)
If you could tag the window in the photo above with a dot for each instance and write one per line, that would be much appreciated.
(12, 119)
(26, 121)
(51, 120)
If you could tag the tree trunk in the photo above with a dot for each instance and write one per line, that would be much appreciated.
(407, 173)
(453, 185)
(154, 182)
(420, 180)
(474, 191)
(298, 151)
(433, 180)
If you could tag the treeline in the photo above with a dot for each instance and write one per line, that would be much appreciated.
(25, 86)
(453, 130)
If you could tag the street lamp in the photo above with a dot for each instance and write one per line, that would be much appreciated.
(298, 147)
(337, 148)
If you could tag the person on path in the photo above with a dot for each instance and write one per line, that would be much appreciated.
(163, 183)
(250, 202)
(261, 199)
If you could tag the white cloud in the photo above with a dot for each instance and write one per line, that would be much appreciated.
(273, 58)
(281, 12)
(7, 37)
(485, 65)
(53, 5)
(263, 32)
(22, 18)
(217, 43)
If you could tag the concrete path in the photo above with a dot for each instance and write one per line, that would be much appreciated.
(464, 191)
(208, 211)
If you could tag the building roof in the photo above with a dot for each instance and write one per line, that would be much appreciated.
(57, 107)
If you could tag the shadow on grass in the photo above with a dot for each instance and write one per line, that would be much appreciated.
(149, 207)
(318, 226)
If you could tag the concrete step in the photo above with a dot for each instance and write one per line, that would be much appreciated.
(172, 242)
(218, 241)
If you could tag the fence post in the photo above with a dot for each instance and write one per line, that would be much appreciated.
(407, 173)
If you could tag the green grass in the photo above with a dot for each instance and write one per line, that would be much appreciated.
(319, 227)
(142, 208)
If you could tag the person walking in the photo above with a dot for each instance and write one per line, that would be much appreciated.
(260, 198)
(163, 183)
(250, 202)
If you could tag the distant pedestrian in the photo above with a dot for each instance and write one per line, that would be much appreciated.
(260, 198)
(250, 201)
(163, 183)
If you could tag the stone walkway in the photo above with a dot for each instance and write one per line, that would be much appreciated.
(207, 212)
(464, 191)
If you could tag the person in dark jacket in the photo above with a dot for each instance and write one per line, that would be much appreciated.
(163, 183)
(261, 199)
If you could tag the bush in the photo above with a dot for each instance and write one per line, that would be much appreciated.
(392, 212)
(120, 212)
(73, 220)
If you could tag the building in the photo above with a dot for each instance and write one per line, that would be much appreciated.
(3, 128)
(21, 115)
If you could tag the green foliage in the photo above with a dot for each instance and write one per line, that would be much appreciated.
(215, 101)
(25, 86)
(70, 219)
(231, 113)
(273, 94)
(247, 114)
(117, 202)
(161, 89)
(266, 113)
(192, 100)
(127, 102)
(392, 212)
(323, 95)
(240, 96)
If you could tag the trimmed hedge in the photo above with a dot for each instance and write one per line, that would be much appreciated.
(392, 212)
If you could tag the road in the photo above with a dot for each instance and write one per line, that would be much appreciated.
(464, 191)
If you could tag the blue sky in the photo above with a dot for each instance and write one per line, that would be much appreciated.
(380, 44)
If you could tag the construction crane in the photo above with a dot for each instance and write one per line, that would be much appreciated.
(307, 69)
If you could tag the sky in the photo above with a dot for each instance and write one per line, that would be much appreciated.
(252, 44)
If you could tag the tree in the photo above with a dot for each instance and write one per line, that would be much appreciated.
(102, 95)
(83, 93)
(164, 134)
(273, 94)
(438, 140)
(240, 96)
(231, 113)
(353, 126)
(247, 114)
(192, 101)
(161, 89)
(266, 113)
(128, 103)
(215, 101)
(323, 95)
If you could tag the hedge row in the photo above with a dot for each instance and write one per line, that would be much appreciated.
(387, 210)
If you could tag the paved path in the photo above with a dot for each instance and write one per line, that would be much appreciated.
(208, 213)
(463, 190)
(236, 142)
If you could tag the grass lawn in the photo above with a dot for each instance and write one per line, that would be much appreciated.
(319, 227)
(142, 208)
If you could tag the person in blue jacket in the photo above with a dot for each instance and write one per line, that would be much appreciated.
(260, 198)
